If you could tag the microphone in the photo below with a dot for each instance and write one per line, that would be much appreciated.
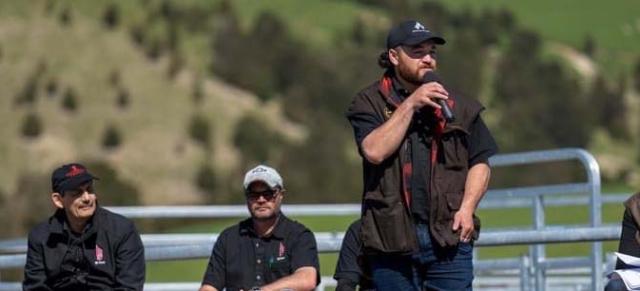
(429, 77)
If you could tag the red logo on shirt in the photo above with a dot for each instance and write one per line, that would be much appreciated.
(75, 170)
(281, 250)
(99, 256)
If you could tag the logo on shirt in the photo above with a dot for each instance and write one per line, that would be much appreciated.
(282, 251)
(99, 256)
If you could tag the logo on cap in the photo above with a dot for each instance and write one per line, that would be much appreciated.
(419, 27)
(74, 171)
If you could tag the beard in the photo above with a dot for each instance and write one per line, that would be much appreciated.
(412, 76)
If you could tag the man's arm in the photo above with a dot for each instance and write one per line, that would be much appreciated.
(302, 279)
(475, 187)
(130, 264)
(34, 270)
(216, 268)
(386, 139)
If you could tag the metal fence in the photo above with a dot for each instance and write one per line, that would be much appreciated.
(533, 267)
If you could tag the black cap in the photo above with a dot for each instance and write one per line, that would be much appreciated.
(411, 32)
(69, 177)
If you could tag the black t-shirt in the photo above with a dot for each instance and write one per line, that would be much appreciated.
(481, 146)
(242, 260)
(352, 268)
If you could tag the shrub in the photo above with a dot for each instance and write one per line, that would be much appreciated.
(200, 131)
(111, 16)
(69, 102)
(52, 87)
(66, 18)
(112, 138)
(206, 178)
(123, 99)
(31, 126)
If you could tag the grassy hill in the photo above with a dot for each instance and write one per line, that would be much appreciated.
(157, 154)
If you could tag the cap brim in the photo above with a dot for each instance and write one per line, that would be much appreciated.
(248, 184)
(76, 182)
(417, 40)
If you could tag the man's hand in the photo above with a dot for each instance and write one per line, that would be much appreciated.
(426, 95)
(463, 221)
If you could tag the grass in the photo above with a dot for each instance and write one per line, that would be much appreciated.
(615, 26)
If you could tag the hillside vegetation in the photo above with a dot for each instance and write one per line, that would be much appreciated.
(173, 100)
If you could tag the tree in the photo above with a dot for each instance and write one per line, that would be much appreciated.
(123, 99)
(206, 179)
(52, 87)
(69, 102)
(66, 18)
(111, 16)
(31, 126)
(200, 131)
(113, 189)
(112, 138)
(257, 142)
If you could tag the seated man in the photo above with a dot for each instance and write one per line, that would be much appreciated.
(629, 239)
(267, 251)
(352, 269)
(82, 246)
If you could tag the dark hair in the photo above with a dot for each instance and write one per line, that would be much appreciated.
(383, 60)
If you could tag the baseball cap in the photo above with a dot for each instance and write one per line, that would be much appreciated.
(69, 177)
(411, 32)
(264, 174)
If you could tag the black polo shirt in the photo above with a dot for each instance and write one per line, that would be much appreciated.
(242, 260)
(480, 142)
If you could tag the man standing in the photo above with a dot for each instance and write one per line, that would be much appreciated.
(424, 174)
(267, 251)
(82, 246)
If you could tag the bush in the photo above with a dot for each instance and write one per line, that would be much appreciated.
(114, 78)
(206, 179)
(69, 102)
(29, 92)
(112, 189)
(52, 87)
(65, 16)
(123, 99)
(111, 138)
(111, 16)
(256, 142)
(137, 34)
(31, 126)
(200, 131)
(176, 63)
(197, 91)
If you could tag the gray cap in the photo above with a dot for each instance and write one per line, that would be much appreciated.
(264, 174)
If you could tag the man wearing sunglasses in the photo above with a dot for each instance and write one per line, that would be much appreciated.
(267, 251)
(82, 246)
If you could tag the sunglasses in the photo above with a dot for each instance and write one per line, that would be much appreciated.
(268, 195)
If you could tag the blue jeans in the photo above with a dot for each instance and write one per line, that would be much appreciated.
(432, 268)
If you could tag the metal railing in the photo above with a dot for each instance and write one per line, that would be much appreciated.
(168, 247)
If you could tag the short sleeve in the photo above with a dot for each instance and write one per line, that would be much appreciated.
(481, 143)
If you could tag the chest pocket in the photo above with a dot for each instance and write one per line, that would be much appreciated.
(454, 148)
